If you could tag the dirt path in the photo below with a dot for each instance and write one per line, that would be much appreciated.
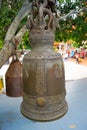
(82, 61)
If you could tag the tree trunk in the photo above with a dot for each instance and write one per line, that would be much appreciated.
(9, 46)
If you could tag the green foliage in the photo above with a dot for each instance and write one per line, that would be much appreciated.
(25, 44)
(8, 10)
(76, 44)
(75, 29)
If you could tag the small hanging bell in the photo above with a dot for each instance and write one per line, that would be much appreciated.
(13, 78)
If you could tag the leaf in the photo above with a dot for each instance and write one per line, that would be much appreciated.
(72, 126)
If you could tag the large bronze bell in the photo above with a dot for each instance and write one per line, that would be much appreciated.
(43, 79)
(13, 79)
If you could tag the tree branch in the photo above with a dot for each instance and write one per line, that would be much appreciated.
(24, 11)
(21, 33)
(65, 16)
(9, 47)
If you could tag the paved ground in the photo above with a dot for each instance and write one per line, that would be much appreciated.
(74, 71)
(76, 117)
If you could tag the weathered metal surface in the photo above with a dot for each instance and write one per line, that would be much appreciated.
(14, 79)
(43, 80)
